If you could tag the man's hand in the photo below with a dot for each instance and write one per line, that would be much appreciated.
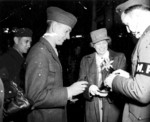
(94, 90)
(108, 81)
(122, 73)
(76, 88)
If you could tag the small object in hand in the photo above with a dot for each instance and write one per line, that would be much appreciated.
(103, 93)
(107, 88)
(103, 87)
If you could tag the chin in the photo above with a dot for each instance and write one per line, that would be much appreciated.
(25, 51)
(59, 44)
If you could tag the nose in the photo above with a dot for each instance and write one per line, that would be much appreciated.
(29, 45)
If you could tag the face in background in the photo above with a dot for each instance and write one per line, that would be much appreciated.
(63, 33)
(101, 47)
(22, 44)
(133, 24)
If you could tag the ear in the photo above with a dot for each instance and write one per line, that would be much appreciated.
(92, 45)
(16, 40)
(53, 26)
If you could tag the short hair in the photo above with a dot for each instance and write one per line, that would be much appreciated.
(130, 9)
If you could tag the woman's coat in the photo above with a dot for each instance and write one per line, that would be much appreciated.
(88, 71)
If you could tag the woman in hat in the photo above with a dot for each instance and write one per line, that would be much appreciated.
(101, 104)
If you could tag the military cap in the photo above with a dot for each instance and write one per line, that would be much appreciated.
(23, 32)
(61, 16)
(123, 6)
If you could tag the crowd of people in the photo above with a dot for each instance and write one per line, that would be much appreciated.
(109, 92)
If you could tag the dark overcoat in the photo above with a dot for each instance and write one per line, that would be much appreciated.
(13, 62)
(44, 84)
(112, 107)
(11, 67)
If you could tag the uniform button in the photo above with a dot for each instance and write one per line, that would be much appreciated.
(139, 118)
(10, 92)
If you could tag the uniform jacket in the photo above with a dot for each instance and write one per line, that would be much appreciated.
(88, 71)
(44, 84)
(137, 88)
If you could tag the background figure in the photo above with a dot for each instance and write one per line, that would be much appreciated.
(75, 110)
(1, 100)
(74, 64)
(12, 64)
(135, 14)
(100, 105)
(44, 81)
(12, 61)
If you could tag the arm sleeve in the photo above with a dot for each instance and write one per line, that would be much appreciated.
(137, 87)
(83, 76)
(40, 83)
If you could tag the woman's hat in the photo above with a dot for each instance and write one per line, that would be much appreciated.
(123, 6)
(61, 16)
(99, 35)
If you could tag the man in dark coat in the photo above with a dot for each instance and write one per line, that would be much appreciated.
(44, 81)
(135, 14)
(11, 63)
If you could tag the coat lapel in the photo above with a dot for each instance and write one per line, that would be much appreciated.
(93, 74)
(50, 50)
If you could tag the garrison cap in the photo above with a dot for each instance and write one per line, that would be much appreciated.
(61, 16)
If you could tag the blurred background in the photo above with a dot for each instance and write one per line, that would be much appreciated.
(91, 14)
